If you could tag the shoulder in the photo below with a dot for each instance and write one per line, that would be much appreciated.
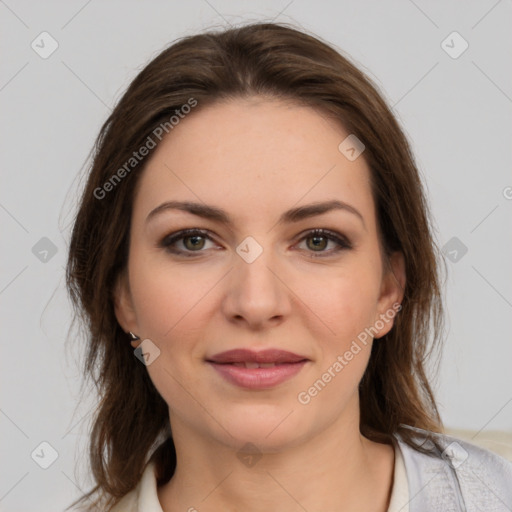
(454, 472)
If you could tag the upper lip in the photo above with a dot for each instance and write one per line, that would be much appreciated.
(242, 355)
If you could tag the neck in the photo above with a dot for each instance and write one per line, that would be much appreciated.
(338, 469)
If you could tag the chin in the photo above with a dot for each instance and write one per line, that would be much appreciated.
(270, 429)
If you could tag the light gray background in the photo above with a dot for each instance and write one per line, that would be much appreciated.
(456, 112)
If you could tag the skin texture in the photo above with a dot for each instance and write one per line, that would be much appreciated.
(256, 158)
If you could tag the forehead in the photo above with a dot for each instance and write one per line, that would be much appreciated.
(255, 155)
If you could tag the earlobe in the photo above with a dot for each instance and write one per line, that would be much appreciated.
(135, 340)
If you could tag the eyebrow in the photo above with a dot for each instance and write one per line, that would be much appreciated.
(291, 216)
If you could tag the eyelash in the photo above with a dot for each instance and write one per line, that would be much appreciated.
(168, 242)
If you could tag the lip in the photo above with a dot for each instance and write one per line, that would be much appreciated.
(270, 355)
(230, 366)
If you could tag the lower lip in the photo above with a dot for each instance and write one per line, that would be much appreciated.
(258, 378)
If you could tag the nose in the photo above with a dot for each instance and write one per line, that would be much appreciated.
(256, 292)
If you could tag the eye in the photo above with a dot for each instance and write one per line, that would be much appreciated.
(320, 239)
(195, 240)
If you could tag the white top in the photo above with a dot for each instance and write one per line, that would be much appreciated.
(144, 497)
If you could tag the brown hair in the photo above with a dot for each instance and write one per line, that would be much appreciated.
(278, 61)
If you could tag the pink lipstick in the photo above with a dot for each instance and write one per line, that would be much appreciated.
(257, 370)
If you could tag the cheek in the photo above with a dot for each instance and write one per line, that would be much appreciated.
(346, 309)
(165, 297)
(168, 310)
(172, 308)
(342, 302)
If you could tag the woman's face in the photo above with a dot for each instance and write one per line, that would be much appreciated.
(255, 277)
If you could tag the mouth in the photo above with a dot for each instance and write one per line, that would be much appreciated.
(251, 364)
(257, 370)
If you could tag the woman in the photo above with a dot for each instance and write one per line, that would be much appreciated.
(254, 260)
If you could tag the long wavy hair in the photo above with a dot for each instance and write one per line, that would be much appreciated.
(131, 422)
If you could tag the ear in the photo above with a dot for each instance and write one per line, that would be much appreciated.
(391, 293)
(123, 306)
